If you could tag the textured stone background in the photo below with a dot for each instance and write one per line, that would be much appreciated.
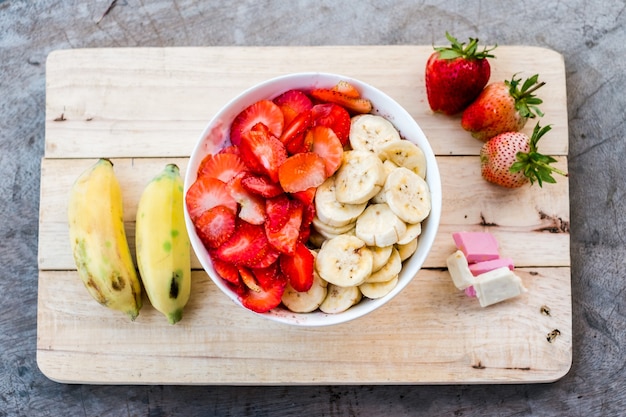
(591, 35)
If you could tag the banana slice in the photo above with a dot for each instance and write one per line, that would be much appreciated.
(360, 177)
(369, 132)
(332, 212)
(306, 302)
(380, 197)
(413, 230)
(329, 231)
(380, 256)
(344, 260)
(378, 289)
(407, 249)
(390, 270)
(379, 226)
(315, 239)
(339, 299)
(408, 195)
(406, 154)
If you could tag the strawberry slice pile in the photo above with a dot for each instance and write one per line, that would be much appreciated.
(252, 203)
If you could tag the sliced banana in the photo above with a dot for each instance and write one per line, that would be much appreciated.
(391, 269)
(406, 154)
(332, 212)
(379, 226)
(375, 290)
(339, 299)
(315, 239)
(360, 177)
(407, 249)
(344, 260)
(369, 132)
(408, 195)
(326, 229)
(380, 256)
(413, 230)
(306, 302)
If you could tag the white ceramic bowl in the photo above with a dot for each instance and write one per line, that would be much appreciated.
(216, 135)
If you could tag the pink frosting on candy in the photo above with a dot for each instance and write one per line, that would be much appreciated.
(477, 246)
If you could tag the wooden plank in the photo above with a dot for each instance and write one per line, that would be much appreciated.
(444, 338)
(151, 102)
(535, 233)
(145, 107)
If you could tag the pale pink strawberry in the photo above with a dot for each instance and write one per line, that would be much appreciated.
(511, 160)
(502, 107)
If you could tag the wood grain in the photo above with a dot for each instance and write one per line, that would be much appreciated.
(144, 107)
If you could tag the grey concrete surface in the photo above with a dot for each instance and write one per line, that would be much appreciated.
(591, 35)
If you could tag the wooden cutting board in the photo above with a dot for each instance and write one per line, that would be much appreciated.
(145, 107)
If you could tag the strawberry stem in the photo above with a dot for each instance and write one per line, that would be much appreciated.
(535, 166)
(458, 49)
(525, 101)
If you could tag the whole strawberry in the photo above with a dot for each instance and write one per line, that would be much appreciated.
(456, 75)
(502, 107)
(511, 160)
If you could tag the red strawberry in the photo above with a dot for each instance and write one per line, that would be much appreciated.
(302, 171)
(284, 218)
(206, 193)
(308, 213)
(248, 246)
(261, 185)
(306, 196)
(266, 276)
(327, 145)
(355, 105)
(223, 166)
(262, 152)
(266, 299)
(333, 116)
(502, 107)
(296, 128)
(455, 75)
(248, 279)
(252, 206)
(347, 89)
(292, 103)
(230, 149)
(215, 226)
(263, 111)
(226, 270)
(298, 268)
(511, 160)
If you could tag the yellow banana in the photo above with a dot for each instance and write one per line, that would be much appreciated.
(96, 227)
(162, 244)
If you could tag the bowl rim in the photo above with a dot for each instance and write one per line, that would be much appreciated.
(215, 136)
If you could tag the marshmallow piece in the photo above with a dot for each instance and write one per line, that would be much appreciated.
(497, 285)
(459, 270)
(486, 266)
(477, 246)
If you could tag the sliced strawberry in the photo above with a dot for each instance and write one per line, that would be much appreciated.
(292, 103)
(282, 228)
(261, 185)
(308, 213)
(327, 145)
(230, 149)
(355, 105)
(302, 171)
(215, 226)
(306, 196)
(248, 246)
(296, 127)
(249, 280)
(226, 270)
(252, 206)
(223, 166)
(268, 298)
(266, 276)
(298, 268)
(262, 152)
(206, 193)
(346, 89)
(335, 117)
(263, 111)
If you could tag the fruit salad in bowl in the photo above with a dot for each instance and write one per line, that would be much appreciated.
(312, 199)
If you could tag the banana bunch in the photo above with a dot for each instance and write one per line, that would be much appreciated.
(99, 245)
(162, 244)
